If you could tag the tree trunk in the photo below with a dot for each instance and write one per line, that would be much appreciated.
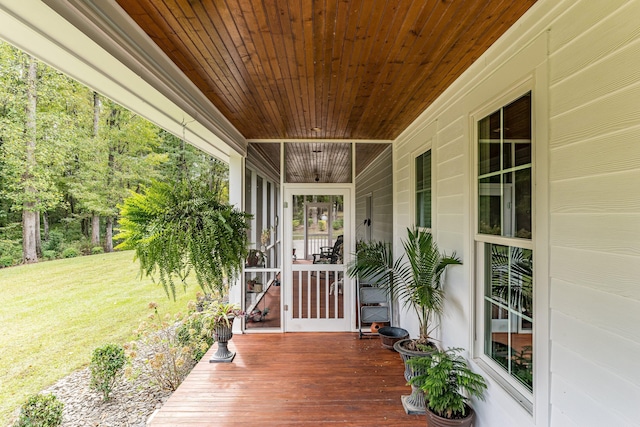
(45, 225)
(29, 254)
(96, 114)
(108, 238)
(95, 218)
(29, 217)
(95, 230)
(38, 236)
(84, 227)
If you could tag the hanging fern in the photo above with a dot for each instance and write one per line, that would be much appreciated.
(177, 228)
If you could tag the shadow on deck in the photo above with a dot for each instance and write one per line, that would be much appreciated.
(294, 379)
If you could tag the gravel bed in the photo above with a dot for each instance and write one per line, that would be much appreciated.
(131, 403)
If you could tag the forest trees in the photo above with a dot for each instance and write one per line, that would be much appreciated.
(69, 157)
(33, 144)
(122, 155)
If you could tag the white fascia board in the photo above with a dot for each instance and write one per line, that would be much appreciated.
(77, 45)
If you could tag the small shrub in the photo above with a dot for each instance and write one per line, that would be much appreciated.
(97, 250)
(106, 363)
(70, 252)
(10, 252)
(196, 330)
(49, 255)
(337, 224)
(169, 360)
(85, 246)
(55, 242)
(322, 225)
(41, 410)
(191, 333)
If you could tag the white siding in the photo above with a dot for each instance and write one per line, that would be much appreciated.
(595, 213)
(376, 181)
(582, 61)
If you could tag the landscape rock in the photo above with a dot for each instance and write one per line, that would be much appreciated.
(132, 400)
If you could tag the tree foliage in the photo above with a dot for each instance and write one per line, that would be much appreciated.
(179, 227)
(59, 112)
(84, 164)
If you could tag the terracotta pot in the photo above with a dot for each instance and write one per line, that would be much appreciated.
(375, 326)
(434, 420)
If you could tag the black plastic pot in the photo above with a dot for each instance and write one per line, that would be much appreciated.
(389, 335)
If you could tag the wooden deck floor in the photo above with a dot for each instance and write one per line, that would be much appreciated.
(294, 379)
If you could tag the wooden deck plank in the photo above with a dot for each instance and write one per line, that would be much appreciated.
(294, 379)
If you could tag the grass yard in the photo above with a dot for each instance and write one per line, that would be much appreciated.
(54, 314)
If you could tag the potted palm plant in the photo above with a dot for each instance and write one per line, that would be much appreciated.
(448, 383)
(415, 279)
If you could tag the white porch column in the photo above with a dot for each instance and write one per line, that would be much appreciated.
(236, 198)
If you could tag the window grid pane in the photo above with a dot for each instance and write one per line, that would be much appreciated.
(504, 171)
(423, 190)
(509, 310)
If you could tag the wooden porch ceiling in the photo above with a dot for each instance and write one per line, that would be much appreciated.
(330, 69)
(327, 161)
(294, 379)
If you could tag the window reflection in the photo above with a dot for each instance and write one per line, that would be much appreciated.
(509, 309)
(504, 171)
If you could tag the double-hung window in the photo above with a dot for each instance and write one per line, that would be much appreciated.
(423, 190)
(504, 242)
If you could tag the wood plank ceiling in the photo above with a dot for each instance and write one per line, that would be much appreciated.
(331, 69)
(329, 162)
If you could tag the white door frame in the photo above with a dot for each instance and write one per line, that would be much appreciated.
(317, 325)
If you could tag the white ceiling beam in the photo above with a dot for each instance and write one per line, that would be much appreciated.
(102, 48)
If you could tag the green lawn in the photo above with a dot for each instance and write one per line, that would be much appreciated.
(54, 314)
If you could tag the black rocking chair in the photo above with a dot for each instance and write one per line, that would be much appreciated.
(330, 254)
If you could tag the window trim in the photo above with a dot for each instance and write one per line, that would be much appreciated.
(496, 372)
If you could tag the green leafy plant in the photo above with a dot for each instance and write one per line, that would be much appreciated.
(55, 242)
(70, 252)
(447, 380)
(6, 261)
(10, 252)
(106, 363)
(49, 255)
(97, 250)
(40, 410)
(416, 278)
(176, 228)
(196, 330)
(216, 312)
(193, 333)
